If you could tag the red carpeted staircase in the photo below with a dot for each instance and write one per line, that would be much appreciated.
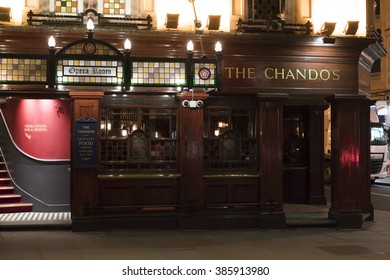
(10, 202)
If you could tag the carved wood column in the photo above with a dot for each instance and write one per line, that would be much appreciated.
(84, 184)
(316, 155)
(271, 160)
(192, 191)
(350, 191)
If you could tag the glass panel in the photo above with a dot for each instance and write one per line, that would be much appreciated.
(114, 7)
(205, 74)
(89, 72)
(23, 70)
(138, 139)
(265, 9)
(230, 143)
(66, 6)
(159, 73)
(219, 121)
(294, 140)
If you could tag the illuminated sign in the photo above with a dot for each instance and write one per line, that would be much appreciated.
(270, 73)
(90, 71)
(289, 77)
(85, 143)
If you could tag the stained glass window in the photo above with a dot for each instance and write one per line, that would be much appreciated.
(23, 70)
(114, 7)
(230, 143)
(205, 74)
(66, 6)
(159, 73)
(135, 139)
(89, 72)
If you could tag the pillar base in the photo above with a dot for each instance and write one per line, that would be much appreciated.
(368, 211)
(347, 219)
(317, 200)
(272, 220)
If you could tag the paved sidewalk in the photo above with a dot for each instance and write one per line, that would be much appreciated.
(318, 243)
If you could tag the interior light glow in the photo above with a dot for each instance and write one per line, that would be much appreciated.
(17, 9)
(339, 12)
(204, 8)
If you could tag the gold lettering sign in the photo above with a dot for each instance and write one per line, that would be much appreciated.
(270, 73)
(240, 72)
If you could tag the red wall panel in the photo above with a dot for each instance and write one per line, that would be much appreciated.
(40, 128)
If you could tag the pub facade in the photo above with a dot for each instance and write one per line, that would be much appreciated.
(194, 130)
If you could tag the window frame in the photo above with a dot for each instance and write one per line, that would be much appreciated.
(115, 154)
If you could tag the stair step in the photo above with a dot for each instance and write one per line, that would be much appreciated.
(15, 207)
(6, 189)
(3, 174)
(4, 181)
(9, 198)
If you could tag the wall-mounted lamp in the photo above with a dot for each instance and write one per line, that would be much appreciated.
(172, 21)
(51, 42)
(90, 27)
(328, 28)
(218, 47)
(50, 65)
(204, 73)
(127, 76)
(127, 45)
(190, 46)
(214, 22)
(351, 27)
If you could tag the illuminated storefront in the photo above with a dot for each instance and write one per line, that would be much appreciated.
(176, 129)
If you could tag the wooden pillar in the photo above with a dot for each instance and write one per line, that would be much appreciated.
(192, 193)
(84, 184)
(271, 160)
(316, 155)
(350, 191)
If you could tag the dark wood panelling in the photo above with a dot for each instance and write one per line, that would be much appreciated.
(191, 152)
(316, 156)
(84, 194)
(127, 195)
(271, 150)
(118, 196)
(232, 191)
(295, 185)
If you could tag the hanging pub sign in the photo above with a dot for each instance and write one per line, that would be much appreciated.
(85, 143)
